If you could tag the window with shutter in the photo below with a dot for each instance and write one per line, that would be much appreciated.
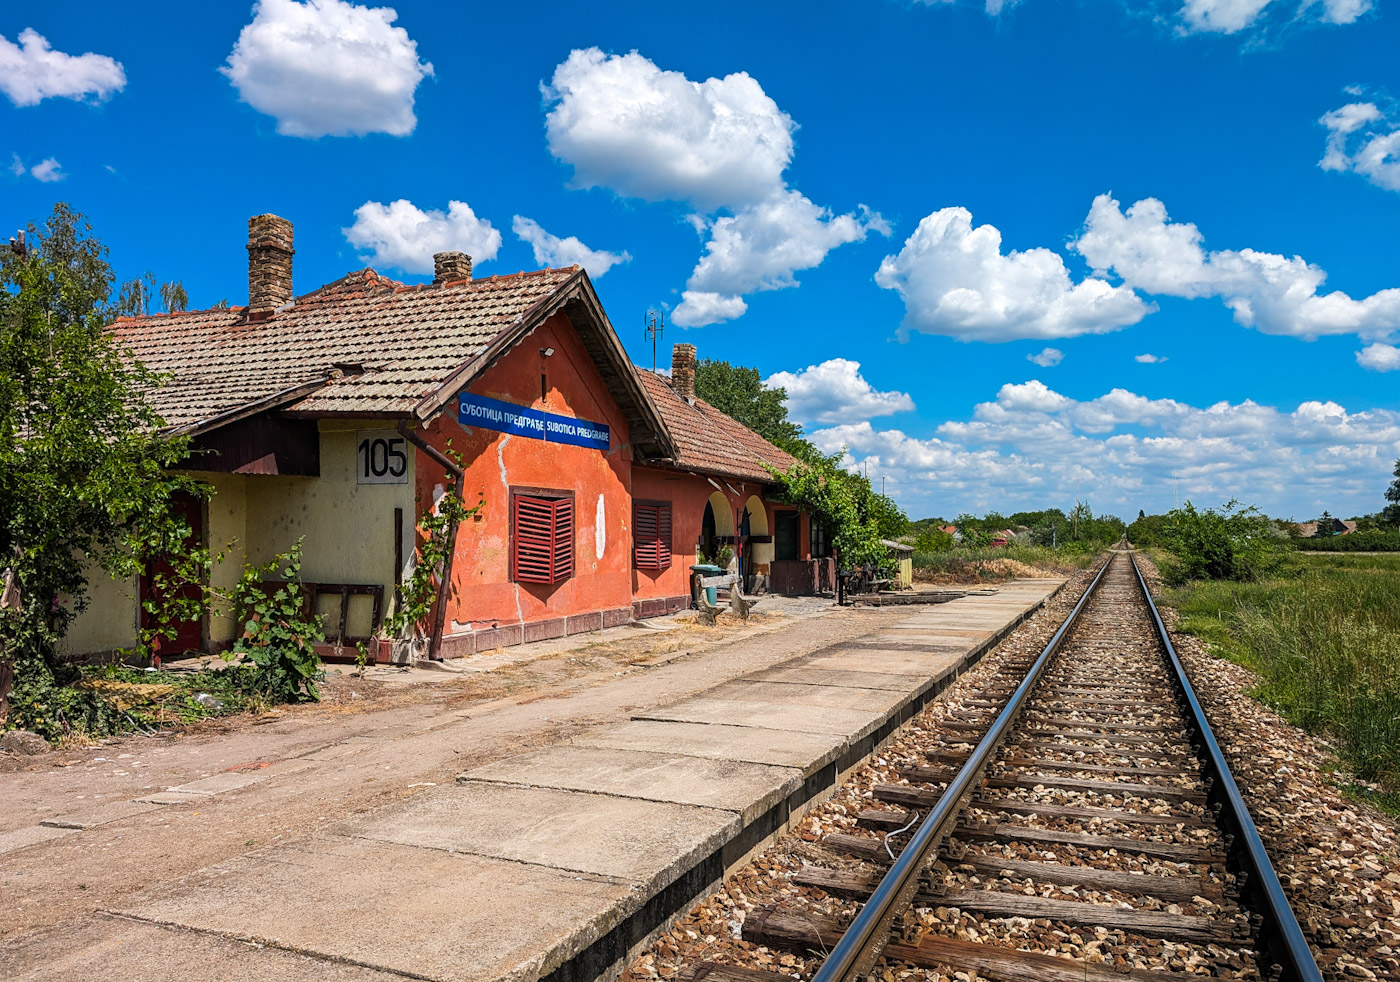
(651, 534)
(542, 537)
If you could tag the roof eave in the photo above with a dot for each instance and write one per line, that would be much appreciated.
(276, 399)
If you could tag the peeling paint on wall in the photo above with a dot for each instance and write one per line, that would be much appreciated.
(600, 530)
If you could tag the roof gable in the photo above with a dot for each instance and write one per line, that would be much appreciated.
(366, 345)
(710, 442)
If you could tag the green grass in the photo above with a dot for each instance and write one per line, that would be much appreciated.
(1326, 645)
(960, 560)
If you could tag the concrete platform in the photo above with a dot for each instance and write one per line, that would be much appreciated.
(563, 861)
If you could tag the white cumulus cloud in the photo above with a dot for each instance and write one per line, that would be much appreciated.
(1149, 359)
(32, 71)
(835, 391)
(762, 247)
(1379, 358)
(624, 123)
(1233, 16)
(1047, 357)
(956, 281)
(1031, 446)
(719, 146)
(551, 250)
(404, 236)
(1274, 293)
(1363, 139)
(47, 170)
(328, 68)
(698, 308)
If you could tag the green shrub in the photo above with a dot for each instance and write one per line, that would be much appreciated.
(279, 632)
(1234, 543)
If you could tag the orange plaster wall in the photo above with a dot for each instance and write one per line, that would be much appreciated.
(482, 593)
(688, 494)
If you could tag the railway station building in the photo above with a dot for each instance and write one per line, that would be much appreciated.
(329, 417)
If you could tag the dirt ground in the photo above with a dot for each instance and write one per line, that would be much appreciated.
(372, 740)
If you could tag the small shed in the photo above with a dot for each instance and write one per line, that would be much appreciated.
(903, 555)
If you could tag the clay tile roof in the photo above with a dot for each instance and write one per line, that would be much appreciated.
(407, 340)
(710, 442)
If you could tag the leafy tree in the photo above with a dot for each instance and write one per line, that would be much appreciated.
(83, 466)
(844, 503)
(739, 392)
(173, 297)
(1390, 514)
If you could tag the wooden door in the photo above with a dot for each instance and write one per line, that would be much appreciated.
(189, 634)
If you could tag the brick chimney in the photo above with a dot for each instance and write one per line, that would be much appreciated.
(449, 266)
(269, 263)
(683, 371)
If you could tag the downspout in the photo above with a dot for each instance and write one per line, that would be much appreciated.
(445, 583)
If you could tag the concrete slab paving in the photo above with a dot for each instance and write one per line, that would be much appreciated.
(525, 862)
(852, 723)
(825, 696)
(171, 798)
(890, 661)
(802, 674)
(744, 788)
(32, 835)
(646, 842)
(806, 752)
(383, 906)
(112, 811)
(220, 783)
(166, 954)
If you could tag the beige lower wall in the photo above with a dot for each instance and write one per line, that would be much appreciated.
(348, 531)
(348, 528)
(109, 622)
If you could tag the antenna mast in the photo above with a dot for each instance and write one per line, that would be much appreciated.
(655, 322)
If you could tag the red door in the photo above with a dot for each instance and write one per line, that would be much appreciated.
(189, 635)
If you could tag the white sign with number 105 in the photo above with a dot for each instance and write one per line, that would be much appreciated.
(380, 457)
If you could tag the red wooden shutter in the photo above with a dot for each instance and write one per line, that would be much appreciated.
(532, 539)
(651, 536)
(644, 536)
(542, 539)
(663, 537)
(563, 546)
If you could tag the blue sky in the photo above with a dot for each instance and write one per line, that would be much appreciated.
(888, 206)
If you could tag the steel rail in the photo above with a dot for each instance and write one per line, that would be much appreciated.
(1284, 937)
(864, 941)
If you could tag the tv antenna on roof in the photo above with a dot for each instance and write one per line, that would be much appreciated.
(655, 322)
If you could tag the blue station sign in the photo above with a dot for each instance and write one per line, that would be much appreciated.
(505, 417)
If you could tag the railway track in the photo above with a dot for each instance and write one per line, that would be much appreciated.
(1077, 821)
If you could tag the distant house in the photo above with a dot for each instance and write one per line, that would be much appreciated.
(1309, 530)
(329, 417)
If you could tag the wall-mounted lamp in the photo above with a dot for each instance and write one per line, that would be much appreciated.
(546, 352)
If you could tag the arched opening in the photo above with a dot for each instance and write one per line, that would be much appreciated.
(758, 545)
(716, 527)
